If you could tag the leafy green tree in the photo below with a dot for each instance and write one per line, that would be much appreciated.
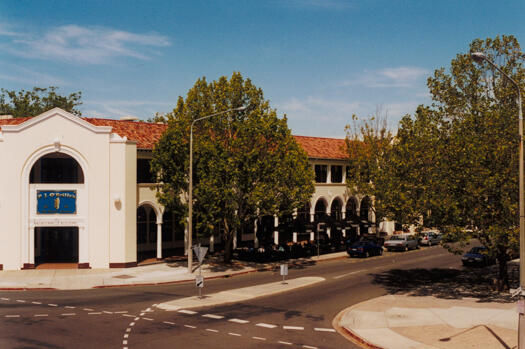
(246, 163)
(457, 160)
(369, 144)
(31, 103)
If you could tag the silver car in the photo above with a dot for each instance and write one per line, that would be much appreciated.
(429, 238)
(402, 242)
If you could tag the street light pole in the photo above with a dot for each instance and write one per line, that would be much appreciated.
(480, 57)
(190, 189)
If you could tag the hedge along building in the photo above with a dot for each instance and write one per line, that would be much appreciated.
(78, 190)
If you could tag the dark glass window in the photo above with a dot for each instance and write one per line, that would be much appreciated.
(335, 211)
(320, 210)
(167, 226)
(144, 174)
(337, 174)
(321, 173)
(142, 228)
(56, 168)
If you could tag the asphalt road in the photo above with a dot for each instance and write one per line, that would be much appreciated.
(127, 318)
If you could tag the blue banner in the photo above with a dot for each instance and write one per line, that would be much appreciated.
(56, 201)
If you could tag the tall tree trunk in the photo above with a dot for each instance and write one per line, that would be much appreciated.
(228, 243)
(503, 277)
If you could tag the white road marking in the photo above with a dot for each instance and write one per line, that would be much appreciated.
(124, 342)
(120, 312)
(88, 309)
(189, 326)
(132, 324)
(142, 314)
(37, 315)
(324, 329)
(36, 302)
(20, 301)
(95, 313)
(234, 334)
(68, 314)
(136, 319)
(293, 328)
(189, 312)
(239, 321)
(70, 307)
(147, 318)
(259, 338)
(107, 312)
(126, 335)
(309, 347)
(12, 316)
(169, 323)
(128, 329)
(287, 343)
(262, 324)
(347, 274)
(212, 316)
(210, 330)
(128, 315)
(5, 299)
(52, 305)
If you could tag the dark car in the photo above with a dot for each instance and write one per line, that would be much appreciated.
(364, 249)
(477, 256)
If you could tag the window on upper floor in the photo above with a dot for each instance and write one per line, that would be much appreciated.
(321, 173)
(336, 174)
(144, 174)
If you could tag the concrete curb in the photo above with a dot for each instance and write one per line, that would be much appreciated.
(351, 336)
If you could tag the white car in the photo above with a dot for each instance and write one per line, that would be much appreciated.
(429, 237)
(402, 242)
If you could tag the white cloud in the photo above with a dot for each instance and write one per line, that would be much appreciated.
(119, 108)
(22, 75)
(84, 45)
(390, 77)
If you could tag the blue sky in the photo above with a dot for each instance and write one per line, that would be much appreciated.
(317, 61)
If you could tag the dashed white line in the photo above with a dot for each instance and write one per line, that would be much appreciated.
(52, 305)
(107, 312)
(12, 316)
(70, 307)
(132, 324)
(189, 326)
(309, 347)
(213, 316)
(39, 315)
(95, 313)
(36, 302)
(211, 330)
(189, 312)
(262, 324)
(20, 301)
(120, 312)
(259, 338)
(88, 309)
(68, 314)
(286, 343)
(126, 335)
(136, 319)
(300, 328)
(142, 314)
(128, 315)
(4, 299)
(147, 318)
(324, 329)
(239, 321)
(234, 334)
(168, 322)
(124, 342)
(128, 329)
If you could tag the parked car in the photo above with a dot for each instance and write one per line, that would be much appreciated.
(402, 242)
(429, 238)
(365, 248)
(477, 256)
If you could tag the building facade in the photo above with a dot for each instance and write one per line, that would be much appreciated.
(78, 190)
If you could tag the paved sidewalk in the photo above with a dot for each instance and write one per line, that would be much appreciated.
(411, 322)
(160, 273)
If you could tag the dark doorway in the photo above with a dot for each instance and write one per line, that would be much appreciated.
(56, 245)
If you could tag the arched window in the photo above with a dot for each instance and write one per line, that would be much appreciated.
(320, 209)
(351, 209)
(303, 214)
(336, 210)
(142, 225)
(56, 168)
(365, 208)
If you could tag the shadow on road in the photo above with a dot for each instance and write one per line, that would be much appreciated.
(446, 283)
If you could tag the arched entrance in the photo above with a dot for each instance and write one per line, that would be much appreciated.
(364, 215)
(146, 232)
(56, 180)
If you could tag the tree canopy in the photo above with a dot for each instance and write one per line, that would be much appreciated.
(246, 163)
(31, 103)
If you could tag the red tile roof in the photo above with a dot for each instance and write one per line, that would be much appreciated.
(147, 134)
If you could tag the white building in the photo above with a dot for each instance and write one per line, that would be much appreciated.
(78, 190)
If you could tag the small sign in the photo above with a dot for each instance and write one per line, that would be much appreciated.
(200, 252)
(284, 269)
(199, 281)
(56, 201)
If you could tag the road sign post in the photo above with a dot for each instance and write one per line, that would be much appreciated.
(284, 271)
(200, 252)
(199, 282)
